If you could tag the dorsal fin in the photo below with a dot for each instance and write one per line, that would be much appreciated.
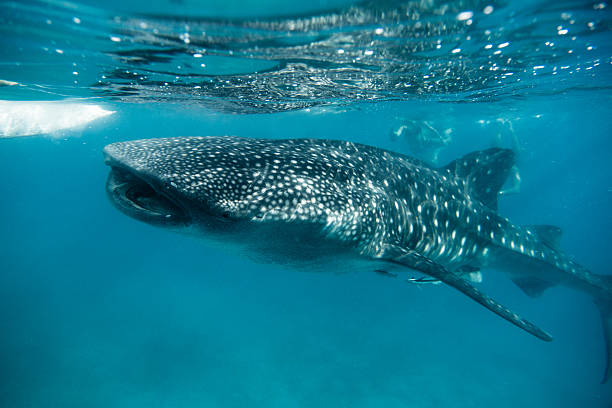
(549, 235)
(484, 173)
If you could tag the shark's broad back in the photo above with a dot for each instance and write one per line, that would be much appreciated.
(306, 201)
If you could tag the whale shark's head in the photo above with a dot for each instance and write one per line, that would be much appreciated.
(176, 182)
(277, 196)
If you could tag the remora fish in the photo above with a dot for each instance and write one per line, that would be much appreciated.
(305, 202)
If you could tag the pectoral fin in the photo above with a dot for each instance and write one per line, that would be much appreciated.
(416, 261)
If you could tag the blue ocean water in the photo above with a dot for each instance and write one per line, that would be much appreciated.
(98, 309)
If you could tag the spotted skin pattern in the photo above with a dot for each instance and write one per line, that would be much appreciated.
(365, 196)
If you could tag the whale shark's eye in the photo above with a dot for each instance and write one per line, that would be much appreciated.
(225, 214)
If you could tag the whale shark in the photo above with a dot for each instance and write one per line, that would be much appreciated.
(337, 205)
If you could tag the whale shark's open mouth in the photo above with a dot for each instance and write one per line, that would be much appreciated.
(135, 197)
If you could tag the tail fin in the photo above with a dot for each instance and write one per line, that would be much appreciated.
(604, 303)
(550, 236)
(605, 311)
